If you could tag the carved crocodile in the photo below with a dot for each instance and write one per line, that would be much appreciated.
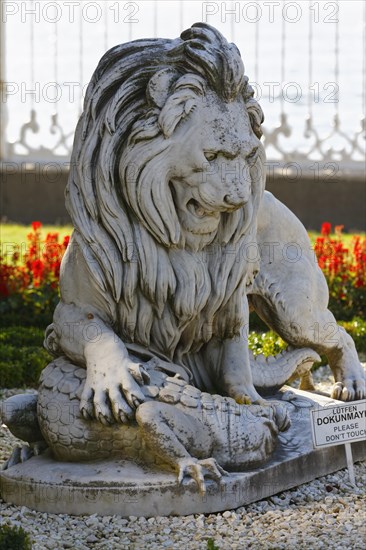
(194, 432)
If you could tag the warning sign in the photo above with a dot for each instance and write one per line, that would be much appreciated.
(339, 424)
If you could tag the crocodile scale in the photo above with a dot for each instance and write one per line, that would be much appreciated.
(73, 438)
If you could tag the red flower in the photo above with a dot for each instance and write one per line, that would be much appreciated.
(37, 268)
(41, 264)
(326, 228)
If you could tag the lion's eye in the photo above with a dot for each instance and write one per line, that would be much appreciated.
(210, 155)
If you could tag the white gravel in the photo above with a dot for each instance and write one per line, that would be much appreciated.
(327, 513)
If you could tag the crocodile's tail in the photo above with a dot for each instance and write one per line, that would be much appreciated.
(270, 373)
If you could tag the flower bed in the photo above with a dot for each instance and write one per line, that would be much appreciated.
(344, 268)
(29, 279)
(29, 293)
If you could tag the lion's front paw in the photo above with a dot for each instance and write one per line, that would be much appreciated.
(350, 389)
(112, 393)
(197, 469)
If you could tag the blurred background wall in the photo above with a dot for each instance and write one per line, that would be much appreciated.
(305, 61)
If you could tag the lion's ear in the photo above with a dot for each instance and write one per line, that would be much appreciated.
(178, 106)
(187, 91)
(159, 86)
(256, 117)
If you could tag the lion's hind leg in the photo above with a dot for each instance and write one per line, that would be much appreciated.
(304, 321)
(291, 295)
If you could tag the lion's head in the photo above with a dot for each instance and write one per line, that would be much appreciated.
(203, 151)
(167, 160)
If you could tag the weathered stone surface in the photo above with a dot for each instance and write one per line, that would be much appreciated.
(119, 487)
(167, 202)
(19, 413)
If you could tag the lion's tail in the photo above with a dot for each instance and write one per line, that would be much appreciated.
(270, 373)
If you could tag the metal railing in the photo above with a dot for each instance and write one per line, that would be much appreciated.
(305, 60)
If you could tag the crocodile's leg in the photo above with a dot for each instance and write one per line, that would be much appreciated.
(24, 453)
(180, 439)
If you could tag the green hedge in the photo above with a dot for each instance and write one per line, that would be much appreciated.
(14, 538)
(357, 329)
(32, 308)
(23, 357)
(269, 343)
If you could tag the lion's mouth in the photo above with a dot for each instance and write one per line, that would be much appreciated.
(194, 215)
(195, 208)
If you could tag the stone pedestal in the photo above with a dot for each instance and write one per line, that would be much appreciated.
(123, 488)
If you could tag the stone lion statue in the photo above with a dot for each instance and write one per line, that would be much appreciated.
(175, 238)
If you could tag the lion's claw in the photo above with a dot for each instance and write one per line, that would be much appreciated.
(214, 468)
(113, 398)
(350, 381)
(349, 390)
(245, 395)
(139, 373)
(104, 419)
(85, 413)
(197, 469)
(134, 397)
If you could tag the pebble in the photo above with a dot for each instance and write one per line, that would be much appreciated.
(327, 513)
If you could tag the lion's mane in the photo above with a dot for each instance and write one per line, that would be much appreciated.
(118, 181)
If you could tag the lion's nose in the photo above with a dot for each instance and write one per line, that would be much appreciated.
(234, 201)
